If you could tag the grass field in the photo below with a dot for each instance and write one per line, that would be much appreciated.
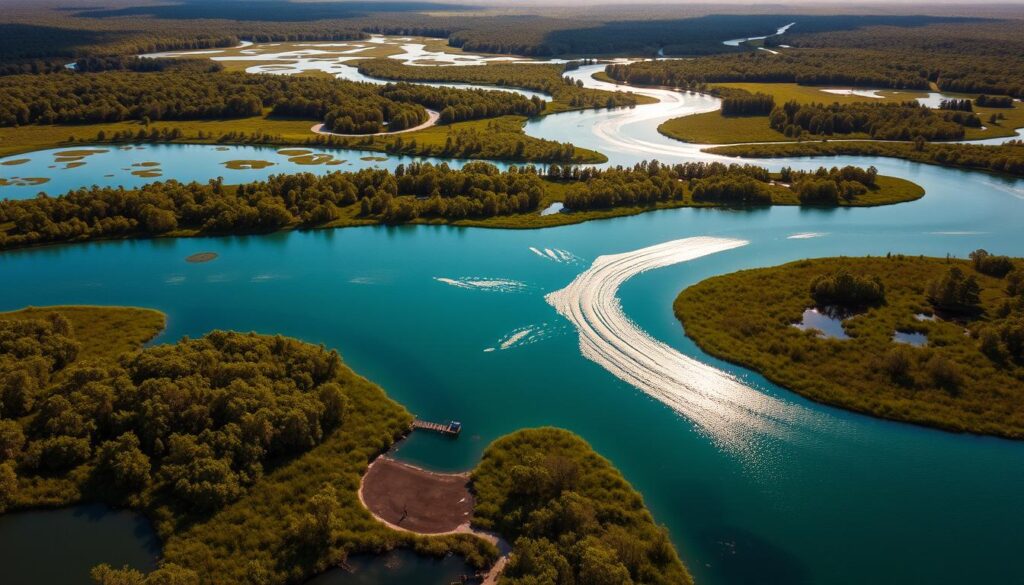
(713, 128)
(746, 318)
(104, 332)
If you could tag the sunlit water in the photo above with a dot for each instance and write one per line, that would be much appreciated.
(436, 315)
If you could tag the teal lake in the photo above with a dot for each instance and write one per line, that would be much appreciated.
(834, 498)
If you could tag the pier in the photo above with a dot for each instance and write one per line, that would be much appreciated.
(451, 429)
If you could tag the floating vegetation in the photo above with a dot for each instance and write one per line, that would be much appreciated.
(294, 151)
(374, 158)
(68, 159)
(148, 173)
(75, 164)
(201, 257)
(312, 159)
(80, 152)
(16, 161)
(146, 164)
(23, 181)
(247, 165)
(223, 148)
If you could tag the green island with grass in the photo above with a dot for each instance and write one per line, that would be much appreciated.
(966, 377)
(478, 194)
(207, 436)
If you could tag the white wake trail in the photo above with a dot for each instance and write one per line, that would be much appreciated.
(730, 412)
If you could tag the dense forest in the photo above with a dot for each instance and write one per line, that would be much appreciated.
(346, 107)
(966, 377)
(547, 79)
(1005, 158)
(418, 191)
(905, 121)
(964, 57)
(711, 183)
(571, 516)
(203, 436)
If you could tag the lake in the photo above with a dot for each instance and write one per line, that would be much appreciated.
(453, 323)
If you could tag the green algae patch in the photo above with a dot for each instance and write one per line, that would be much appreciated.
(148, 173)
(74, 164)
(294, 152)
(14, 162)
(23, 181)
(312, 159)
(80, 152)
(146, 164)
(374, 158)
(247, 165)
(201, 257)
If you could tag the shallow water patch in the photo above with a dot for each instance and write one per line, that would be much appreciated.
(828, 323)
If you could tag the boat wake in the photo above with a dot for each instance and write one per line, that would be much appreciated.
(728, 411)
(484, 284)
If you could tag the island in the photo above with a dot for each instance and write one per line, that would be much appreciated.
(931, 341)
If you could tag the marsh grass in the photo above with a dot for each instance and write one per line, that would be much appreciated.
(746, 317)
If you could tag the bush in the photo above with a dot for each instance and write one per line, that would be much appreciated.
(985, 263)
(846, 290)
(955, 292)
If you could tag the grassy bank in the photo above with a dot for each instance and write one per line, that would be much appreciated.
(497, 137)
(747, 318)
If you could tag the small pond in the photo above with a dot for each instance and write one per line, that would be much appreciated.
(910, 338)
(62, 546)
(829, 324)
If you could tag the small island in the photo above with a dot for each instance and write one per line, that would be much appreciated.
(931, 341)
(246, 451)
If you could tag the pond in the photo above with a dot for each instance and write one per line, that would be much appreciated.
(62, 546)
(829, 325)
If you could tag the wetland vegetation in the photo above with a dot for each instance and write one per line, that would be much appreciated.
(967, 377)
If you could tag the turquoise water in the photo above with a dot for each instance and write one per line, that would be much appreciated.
(838, 498)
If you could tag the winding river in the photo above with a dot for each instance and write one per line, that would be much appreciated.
(755, 484)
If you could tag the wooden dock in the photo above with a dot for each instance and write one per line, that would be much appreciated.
(452, 429)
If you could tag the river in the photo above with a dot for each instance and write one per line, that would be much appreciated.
(454, 324)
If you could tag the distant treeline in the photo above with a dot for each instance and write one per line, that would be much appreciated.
(181, 94)
(1005, 158)
(542, 78)
(905, 121)
(992, 101)
(144, 64)
(833, 66)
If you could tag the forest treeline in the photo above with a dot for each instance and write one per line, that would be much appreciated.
(1004, 158)
(570, 515)
(870, 67)
(651, 183)
(412, 192)
(180, 94)
(543, 78)
(904, 121)
(194, 422)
